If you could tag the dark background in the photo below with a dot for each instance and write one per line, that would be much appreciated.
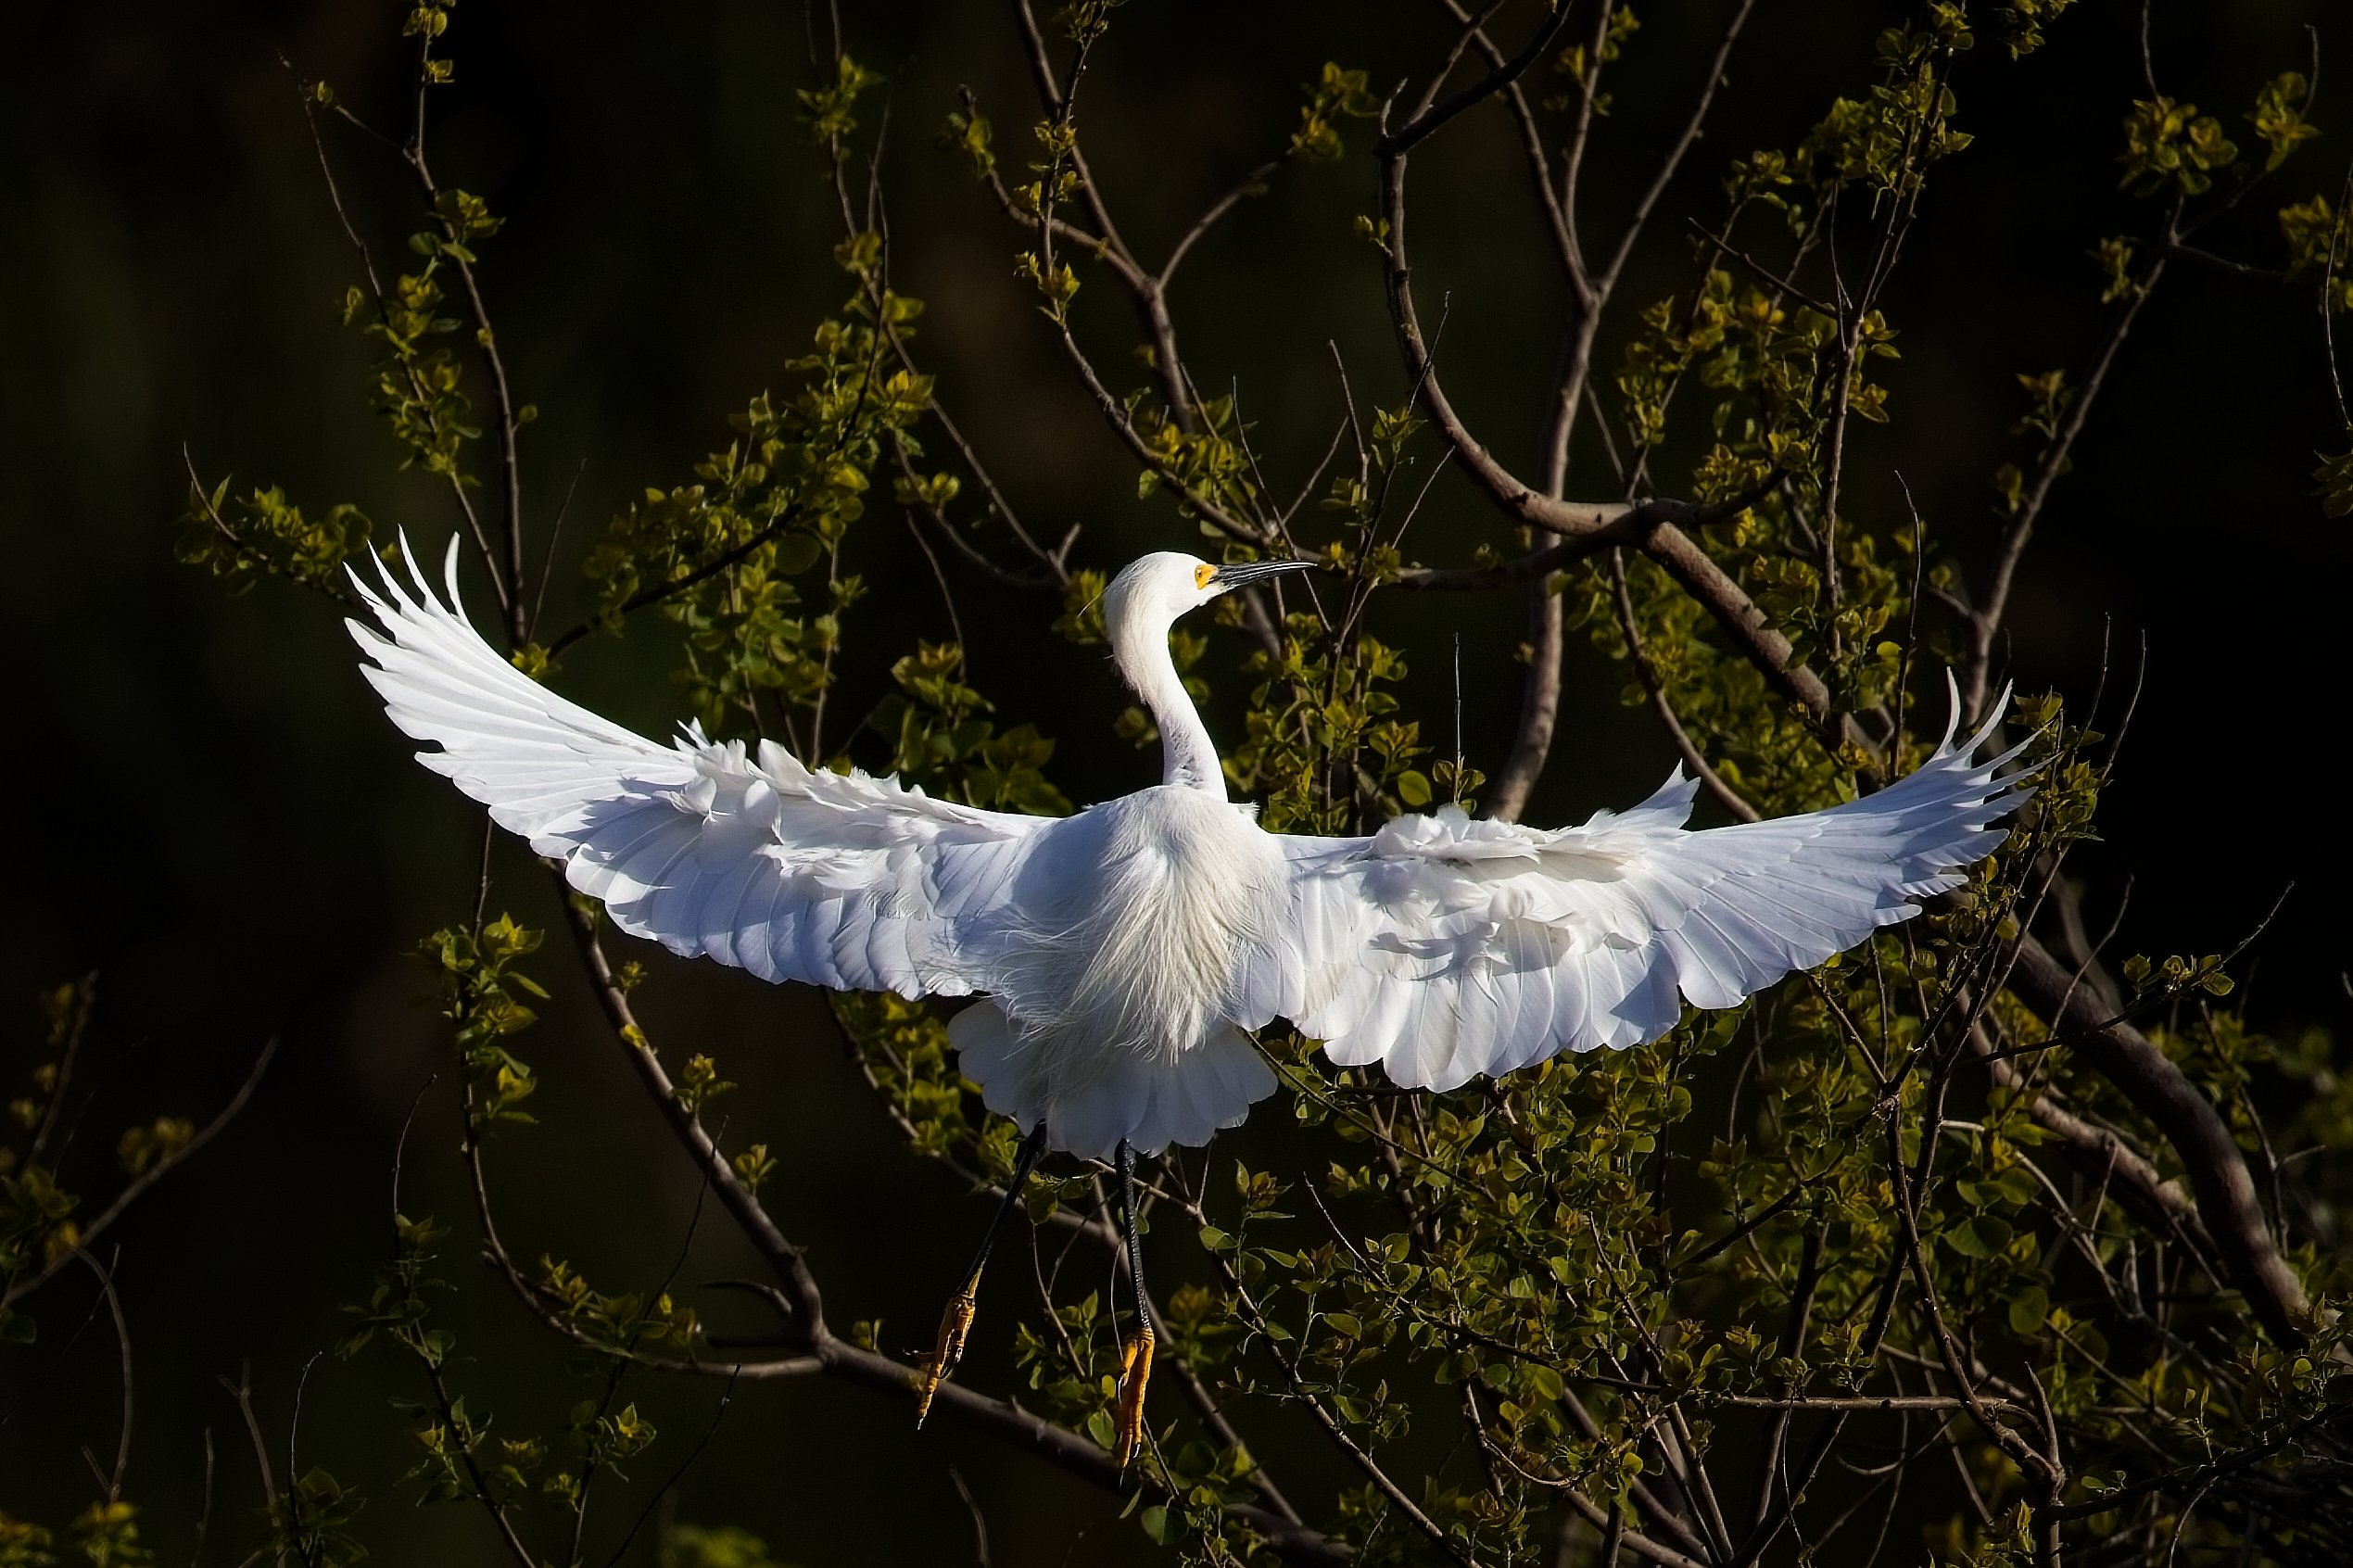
(211, 812)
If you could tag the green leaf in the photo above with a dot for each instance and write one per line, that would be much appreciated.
(2027, 1309)
(1414, 788)
(1981, 1236)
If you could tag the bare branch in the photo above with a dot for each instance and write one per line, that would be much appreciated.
(727, 1398)
(980, 1521)
(1779, 281)
(204, 1516)
(801, 1303)
(1539, 162)
(242, 1392)
(1684, 142)
(1065, 1449)
(1607, 525)
(1539, 707)
(1116, 416)
(1249, 185)
(807, 1304)
(122, 1347)
(1051, 574)
(1858, 1404)
(2159, 1089)
(1435, 116)
(1057, 98)
(2197, 1478)
(2328, 317)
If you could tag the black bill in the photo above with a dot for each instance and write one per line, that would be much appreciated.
(1247, 572)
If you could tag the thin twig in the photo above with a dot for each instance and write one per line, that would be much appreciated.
(727, 1398)
(979, 1524)
(555, 532)
(1993, 604)
(508, 594)
(204, 1516)
(1693, 758)
(86, 993)
(137, 1186)
(122, 1346)
(242, 1392)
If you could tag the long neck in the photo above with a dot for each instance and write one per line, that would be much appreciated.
(1140, 650)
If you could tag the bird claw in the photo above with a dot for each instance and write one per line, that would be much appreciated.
(1135, 1371)
(955, 1323)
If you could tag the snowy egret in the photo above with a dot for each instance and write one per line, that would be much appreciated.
(1123, 955)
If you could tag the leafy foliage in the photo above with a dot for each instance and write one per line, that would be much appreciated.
(248, 539)
(937, 736)
(479, 989)
(1885, 1209)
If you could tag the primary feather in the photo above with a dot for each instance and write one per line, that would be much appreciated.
(834, 879)
(1123, 953)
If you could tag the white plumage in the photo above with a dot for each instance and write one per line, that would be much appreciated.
(1123, 953)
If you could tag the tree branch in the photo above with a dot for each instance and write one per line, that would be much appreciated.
(509, 595)
(1985, 621)
(138, 1184)
(2013, 1447)
(801, 1287)
(1356, 1454)
(2143, 1074)
(802, 1303)
(2159, 1089)
(1695, 759)
(1433, 117)
(1605, 526)
(2101, 1154)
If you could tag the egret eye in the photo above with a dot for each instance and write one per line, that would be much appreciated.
(1202, 573)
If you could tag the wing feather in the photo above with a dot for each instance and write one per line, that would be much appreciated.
(1445, 948)
(835, 879)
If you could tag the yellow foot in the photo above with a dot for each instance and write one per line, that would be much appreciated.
(1135, 1371)
(955, 1323)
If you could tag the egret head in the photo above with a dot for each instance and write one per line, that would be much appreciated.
(1158, 589)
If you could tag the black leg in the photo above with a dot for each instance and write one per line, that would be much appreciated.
(1135, 1357)
(957, 1322)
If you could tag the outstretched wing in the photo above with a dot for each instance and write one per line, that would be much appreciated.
(1444, 948)
(836, 879)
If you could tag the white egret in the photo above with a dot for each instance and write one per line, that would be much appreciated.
(1122, 957)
